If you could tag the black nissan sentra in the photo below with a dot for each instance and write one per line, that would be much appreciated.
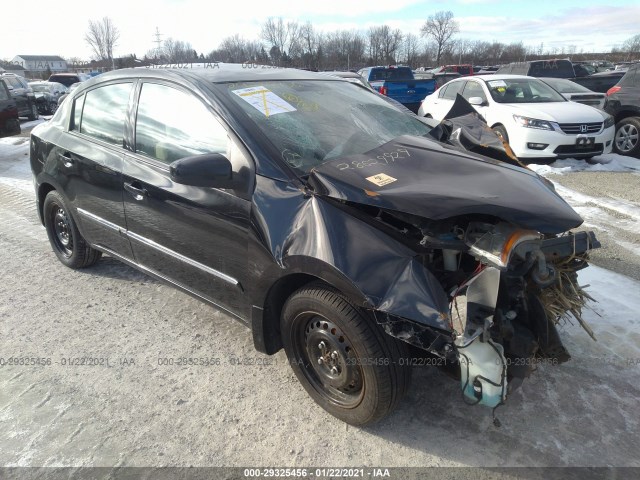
(353, 235)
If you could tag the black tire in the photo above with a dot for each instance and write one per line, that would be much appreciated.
(502, 133)
(369, 381)
(627, 137)
(67, 243)
(33, 114)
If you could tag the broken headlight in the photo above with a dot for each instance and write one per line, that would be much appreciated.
(495, 244)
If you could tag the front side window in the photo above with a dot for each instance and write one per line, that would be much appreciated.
(104, 112)
(473, 89)
(172, 124)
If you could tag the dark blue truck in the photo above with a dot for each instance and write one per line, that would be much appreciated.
(399, 83)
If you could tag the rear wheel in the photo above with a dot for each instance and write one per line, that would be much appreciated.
(33, 115)
(347, 364)
(627, 136)
(67, 243)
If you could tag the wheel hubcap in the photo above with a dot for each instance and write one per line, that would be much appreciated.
(627, 138)
(331, 364)
(62, 230)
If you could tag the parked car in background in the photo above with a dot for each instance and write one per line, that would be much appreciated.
(9, 121)
(327, 221)
(538, 123)
(70, 89)
(67, 79)
(561, 68)
(440, 78)
(624, 104)
(47, 95)
(358, 80)
(576, 93)
(487, 70)
(23, 95)
(583, 69)
(399, 83)
(463, 70)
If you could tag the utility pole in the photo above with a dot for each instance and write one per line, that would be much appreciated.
(158, 42)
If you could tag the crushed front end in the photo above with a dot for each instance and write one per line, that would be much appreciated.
(519, 285)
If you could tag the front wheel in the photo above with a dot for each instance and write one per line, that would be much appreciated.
(347, 364)
(67, 243)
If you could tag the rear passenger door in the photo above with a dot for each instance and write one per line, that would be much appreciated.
(194, 237)
(89, 164)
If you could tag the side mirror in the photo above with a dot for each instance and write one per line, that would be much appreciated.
(208, 170)
(477, 101)
(10, 87)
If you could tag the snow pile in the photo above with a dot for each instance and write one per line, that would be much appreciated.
(609, 162)
(9, 146)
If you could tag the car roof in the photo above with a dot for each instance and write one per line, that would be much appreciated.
(215, 73)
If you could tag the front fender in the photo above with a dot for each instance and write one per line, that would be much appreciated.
(314, 236)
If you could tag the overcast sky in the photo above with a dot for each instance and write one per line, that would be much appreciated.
(590, 25)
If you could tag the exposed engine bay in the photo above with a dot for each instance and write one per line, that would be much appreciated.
(508, 288)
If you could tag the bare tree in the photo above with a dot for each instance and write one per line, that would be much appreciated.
(102, 37)
(284, 39)
(384, 44)
(631, 47)
(236, 49)
(441, 27)
(410, 48)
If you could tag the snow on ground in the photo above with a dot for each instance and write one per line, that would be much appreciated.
(11, 146)
(609, 162)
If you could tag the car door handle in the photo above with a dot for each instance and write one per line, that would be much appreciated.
(136, 190)
(67, 161)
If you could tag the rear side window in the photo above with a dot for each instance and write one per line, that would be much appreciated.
(452, 90)
(631, 78)
(464, 70)
(77, 114)
(3, 91)
(104, 112)
(172, 124)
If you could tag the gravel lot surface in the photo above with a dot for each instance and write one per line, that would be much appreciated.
(136, 411)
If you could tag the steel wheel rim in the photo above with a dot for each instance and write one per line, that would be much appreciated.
(626, 138)
(328, 360)
(62, 234)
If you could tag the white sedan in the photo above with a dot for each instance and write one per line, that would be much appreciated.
(536, 121)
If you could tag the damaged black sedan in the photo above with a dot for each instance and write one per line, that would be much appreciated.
(351, 234)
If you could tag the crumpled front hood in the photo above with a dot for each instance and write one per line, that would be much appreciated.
(421, 177)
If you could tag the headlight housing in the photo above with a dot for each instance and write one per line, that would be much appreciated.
(495, 244)
(609, 122)
(533, 123)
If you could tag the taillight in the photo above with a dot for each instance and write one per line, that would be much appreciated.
(614, 89)
(383, 90)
